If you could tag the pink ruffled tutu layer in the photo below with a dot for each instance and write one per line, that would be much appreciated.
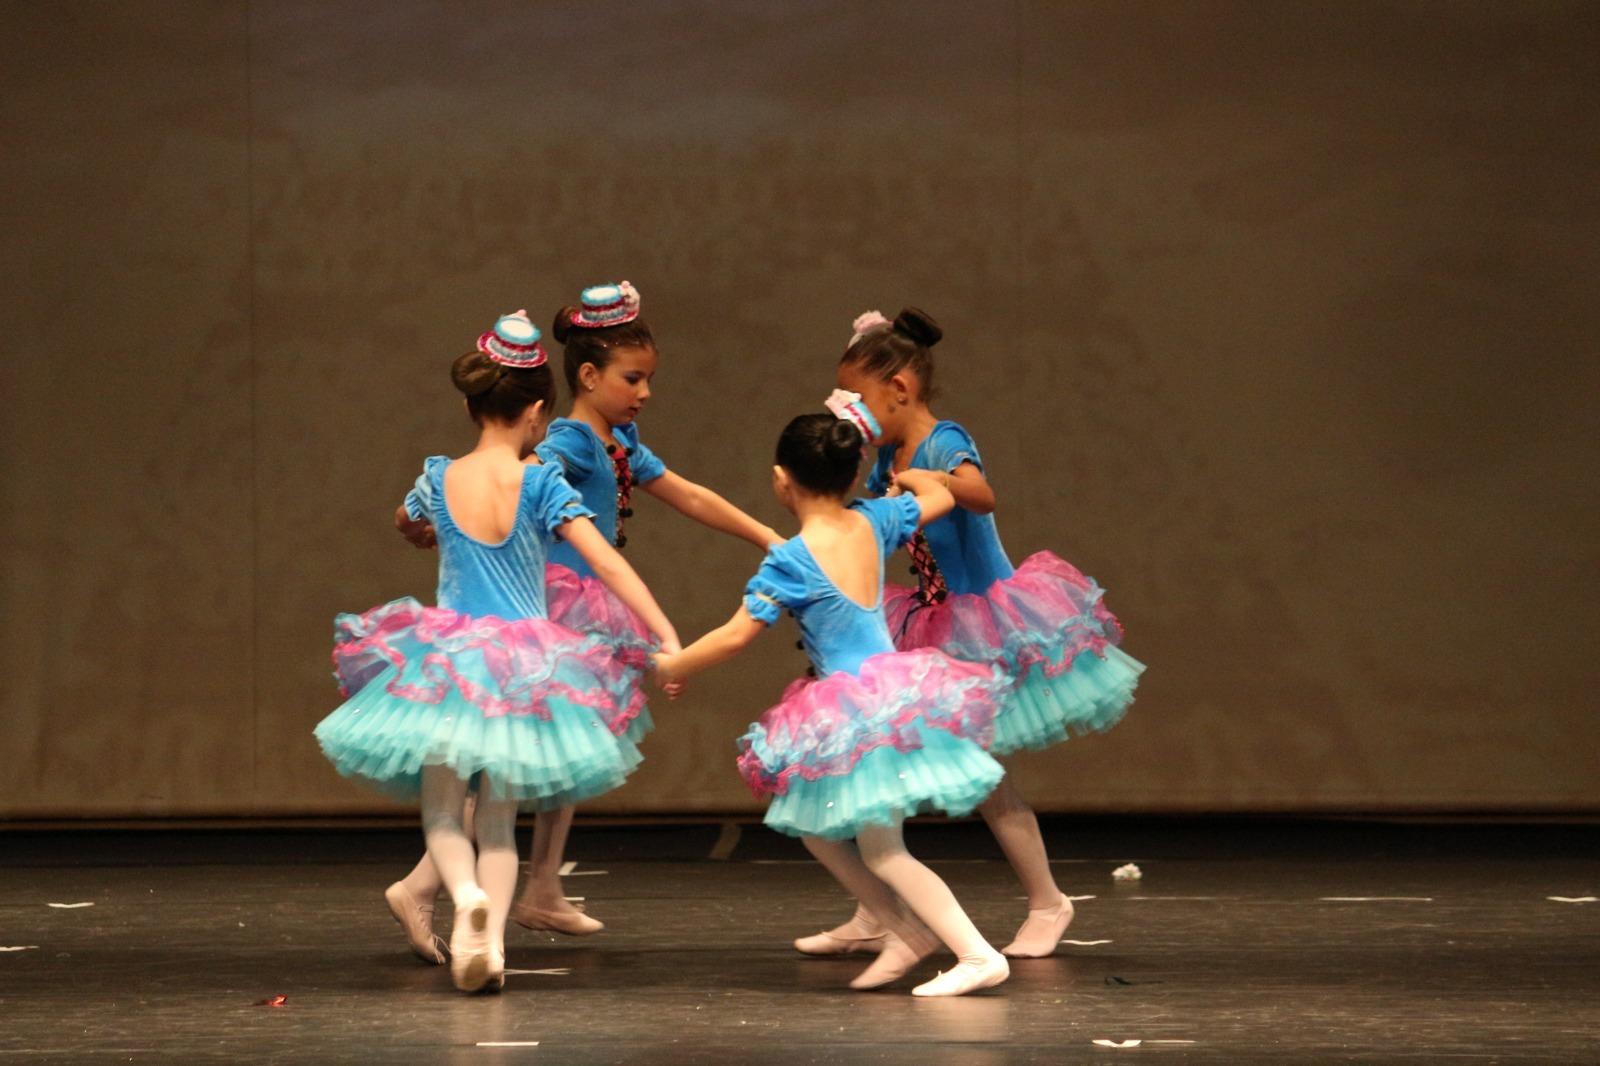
(521, 706)
(905, 733)
(585, 605)
(1043, 624)
(497, 666)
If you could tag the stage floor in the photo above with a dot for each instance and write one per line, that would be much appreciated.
(1246, 941)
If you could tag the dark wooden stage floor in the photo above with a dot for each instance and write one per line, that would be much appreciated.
(1246, 941)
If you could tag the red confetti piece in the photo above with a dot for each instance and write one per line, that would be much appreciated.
(271, 1001)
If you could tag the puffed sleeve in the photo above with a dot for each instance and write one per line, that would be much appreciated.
(420, 501)
(644, 463)
(570, 447)
(777, 586)
(895, 519)
(949, 445)
(552, 501)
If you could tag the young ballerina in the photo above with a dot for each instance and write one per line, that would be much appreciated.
(483, 691)
(1044, 622)
(609, 359)
(881, 734)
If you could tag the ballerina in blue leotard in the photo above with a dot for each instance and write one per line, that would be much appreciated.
(609, 362)
(484, 691)
(879, 734)
(1044, 622)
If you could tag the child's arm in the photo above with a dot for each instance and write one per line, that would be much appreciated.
(967, 484)
(709, 509)
(719, 645)
(971, 489)
(419, 531)
(933, 498)
(612, 569)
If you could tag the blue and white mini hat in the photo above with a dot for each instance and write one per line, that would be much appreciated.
(514, 342)
(607, 305)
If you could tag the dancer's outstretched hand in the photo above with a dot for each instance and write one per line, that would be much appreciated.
(670, 682)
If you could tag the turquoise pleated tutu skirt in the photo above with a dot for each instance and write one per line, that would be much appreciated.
(1045, 708)
(1047, 626)
(523, 709)
(904, 735)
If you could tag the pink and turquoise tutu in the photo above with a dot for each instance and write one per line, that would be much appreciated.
(904, 734)
(585, 605)
(1048, 628)
(523, 708)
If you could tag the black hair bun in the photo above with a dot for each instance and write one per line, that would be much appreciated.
(919, 326)
(562, 327)
(843, 441)
(475, 373)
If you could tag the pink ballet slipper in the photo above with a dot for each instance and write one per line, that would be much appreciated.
(894, 961)
(970, 975)
(416, 918)
(853, 936)
(469, 942)
(567, 923)
(1040, 933)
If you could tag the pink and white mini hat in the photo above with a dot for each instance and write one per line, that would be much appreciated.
(849, 407)
(865, 323)
(514, 342)
(607, 305)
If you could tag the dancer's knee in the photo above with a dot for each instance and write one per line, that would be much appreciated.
(1004, 800)
(881, 848)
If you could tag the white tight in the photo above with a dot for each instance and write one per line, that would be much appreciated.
(1016, 827)
(492, 865)
(877, 869)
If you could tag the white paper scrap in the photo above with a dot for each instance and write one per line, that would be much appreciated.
(1127, 872)
(556, 971)
(1375, 899)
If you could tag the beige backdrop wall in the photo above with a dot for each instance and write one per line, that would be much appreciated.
(1277, 318)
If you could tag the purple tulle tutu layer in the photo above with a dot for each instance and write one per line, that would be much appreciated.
(500, 667)
(823, 728)
(1045, 615)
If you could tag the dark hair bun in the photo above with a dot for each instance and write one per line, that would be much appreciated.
(475, 373)
(919, 326)
(562, 327)
(843, 442)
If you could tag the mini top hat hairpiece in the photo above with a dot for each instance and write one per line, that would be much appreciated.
(514, 342)
(847, 407)
(607, 305)
(865, 323)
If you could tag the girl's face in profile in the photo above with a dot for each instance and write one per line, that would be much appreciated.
(619, 392)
